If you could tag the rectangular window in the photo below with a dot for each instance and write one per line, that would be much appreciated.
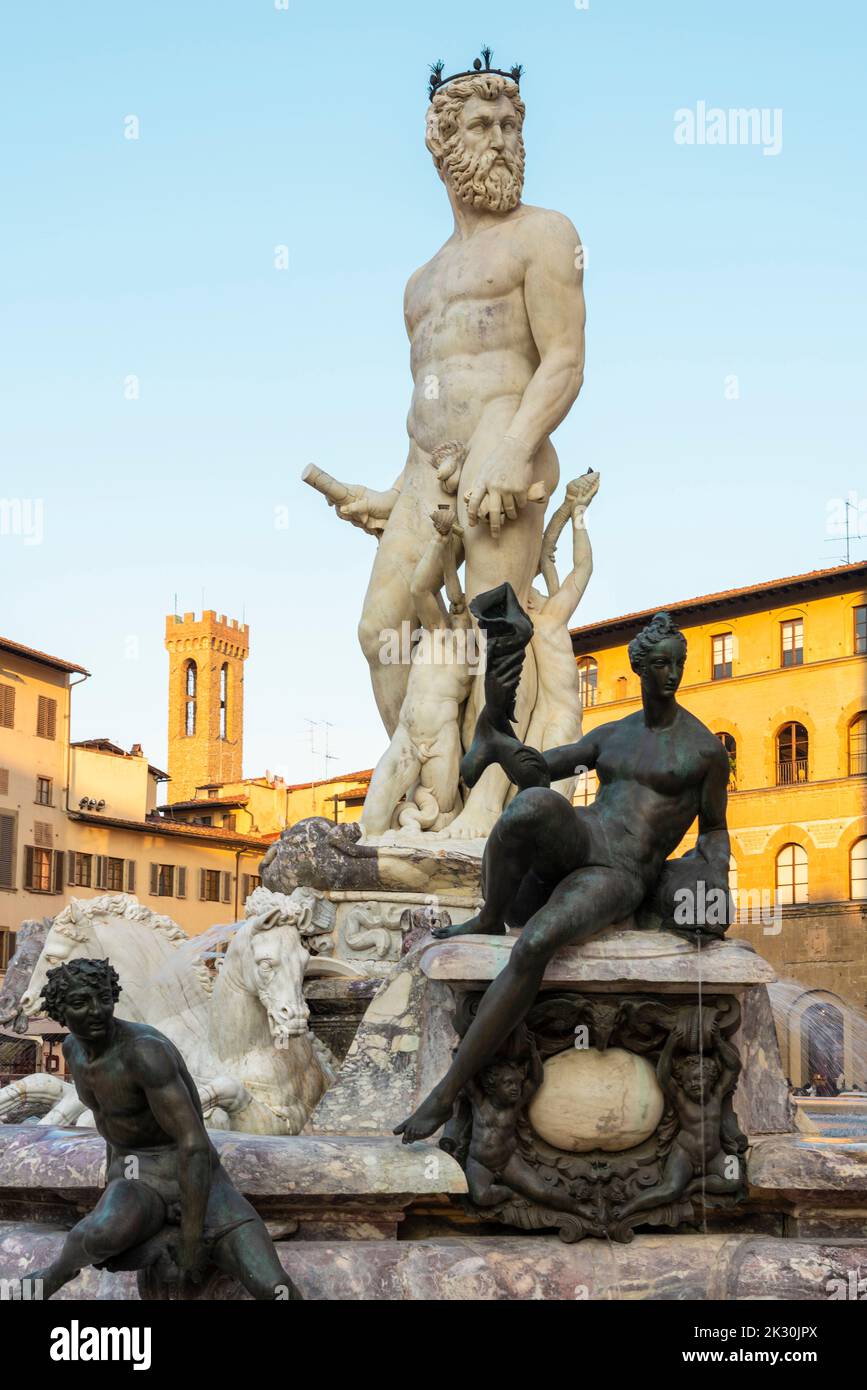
(792, 642)
(7, 706)
(249, 883)
(44, 791)
(209, 885)
(37, 869)
(80, 870)
(43, 835)
(4, 781)
(114, 875)
(722, 656)
(46, 717)
(7, 851)
(861, 630)
(7, 946)
(165, 881)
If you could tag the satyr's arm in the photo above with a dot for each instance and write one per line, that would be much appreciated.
(554, 300)
(713, 837)
(561, 605)
(430, 571)
(176, 1113)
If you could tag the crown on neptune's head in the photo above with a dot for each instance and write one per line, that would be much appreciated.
(436, 72)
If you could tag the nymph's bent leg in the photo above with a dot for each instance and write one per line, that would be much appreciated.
(539, 830)
(585, 902)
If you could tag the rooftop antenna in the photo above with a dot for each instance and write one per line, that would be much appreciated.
(850, 505)
(327, 757)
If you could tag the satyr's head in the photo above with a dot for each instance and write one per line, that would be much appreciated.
(503, 1081)
(81, 996)
(695, 1074)
(473, 131)
(658, 655)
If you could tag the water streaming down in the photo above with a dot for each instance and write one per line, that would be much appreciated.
(829, 1040)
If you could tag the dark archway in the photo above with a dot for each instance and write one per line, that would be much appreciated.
(822, 1043)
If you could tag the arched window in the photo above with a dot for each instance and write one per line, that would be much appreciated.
(190, 682)
(588, 672)
(224, 698)
(731, 747)
(793, 747)
(858, 870)
(792, 884)
(858, 745)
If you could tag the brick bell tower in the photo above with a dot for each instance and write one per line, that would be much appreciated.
(206, 701)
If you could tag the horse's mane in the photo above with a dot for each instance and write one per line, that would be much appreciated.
(123, 905)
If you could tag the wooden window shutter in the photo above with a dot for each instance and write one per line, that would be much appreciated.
(182, 883)
(7, 706)
(202, 882)
(4, 781)
(226, 882)
(130, 875)
(46, 717)
(101, 871)
(43, 835)
(245, 886)
(70, 869)
(155, 880)
(7, 851)
(28, 866)
(57, 871)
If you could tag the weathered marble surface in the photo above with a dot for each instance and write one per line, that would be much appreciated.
(619, 957)
(316, 854)
(479, 1268)
(788, 1164)
(761, 1100)
(402, 1048)
(72, 1161)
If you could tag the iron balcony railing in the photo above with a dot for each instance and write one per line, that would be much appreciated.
(792, 771)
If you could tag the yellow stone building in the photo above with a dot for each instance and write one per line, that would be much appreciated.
(779, 672)
(78, 819)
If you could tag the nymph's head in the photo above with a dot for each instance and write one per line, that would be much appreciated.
(81, 996)
(473, 131)
(658, 655)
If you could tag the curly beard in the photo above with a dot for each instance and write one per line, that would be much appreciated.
(475, 181)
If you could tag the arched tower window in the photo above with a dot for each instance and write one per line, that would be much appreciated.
(588, 673)
(191, 677)
(224, 698)
(858, 870)
(729, 744)
(858, 745)
(793, 748)
(792, 876)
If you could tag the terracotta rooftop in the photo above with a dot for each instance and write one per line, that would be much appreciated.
(812, 578)
(201, 802)
(156, 825)
(32, 654)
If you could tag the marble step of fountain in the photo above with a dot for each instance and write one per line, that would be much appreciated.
(487, 1268)
(319, 1185)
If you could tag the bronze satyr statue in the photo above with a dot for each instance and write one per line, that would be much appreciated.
(168, 1208)
(563, 873)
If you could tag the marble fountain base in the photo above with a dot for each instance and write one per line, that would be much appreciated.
(357, 1215)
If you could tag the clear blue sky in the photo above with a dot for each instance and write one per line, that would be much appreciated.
(262, 126)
